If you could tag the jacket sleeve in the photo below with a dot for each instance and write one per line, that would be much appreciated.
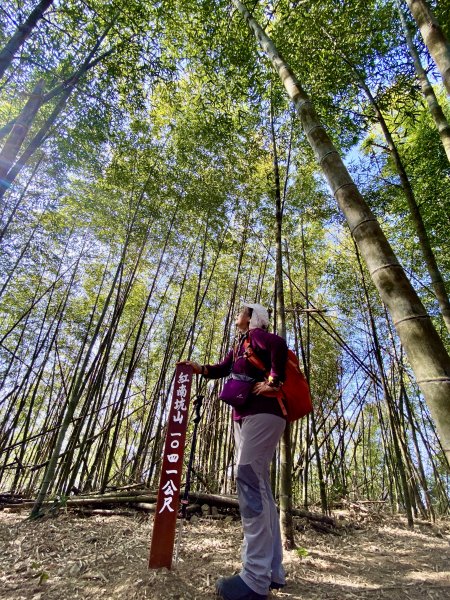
(275, 346)
(221, 369)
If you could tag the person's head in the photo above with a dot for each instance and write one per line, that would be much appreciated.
(252, 316)
(243, 318)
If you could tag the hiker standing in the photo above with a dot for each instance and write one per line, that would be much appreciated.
(258, 426)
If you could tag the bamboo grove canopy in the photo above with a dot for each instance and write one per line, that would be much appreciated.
(162, 162)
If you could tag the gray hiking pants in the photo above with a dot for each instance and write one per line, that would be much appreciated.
(256, 438)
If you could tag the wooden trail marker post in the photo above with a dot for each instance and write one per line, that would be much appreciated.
(164, 525)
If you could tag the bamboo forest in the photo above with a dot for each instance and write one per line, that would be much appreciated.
(163, 163)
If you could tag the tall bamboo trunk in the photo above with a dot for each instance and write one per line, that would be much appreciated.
(21, 34)
(297, 438)
(433, 36)
(19, 392)
(66, 90)
(158, 393)
(75, 390)
(440, 120)
(19, 131)
(10, 219)
(307, 361)
(68, 83)
(426, 352)
(305, 347)
(197, 291)
(389, 401)
(34, 145)
(434, 272)
(287, 525)
(437, 281)
(420, 466)
(134, 359)
(57, 320)
(93, 393)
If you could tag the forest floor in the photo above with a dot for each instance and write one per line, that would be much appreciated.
(73, 556)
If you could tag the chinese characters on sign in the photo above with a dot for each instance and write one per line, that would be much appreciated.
(180, 402)
(164, 525)
(169, 487)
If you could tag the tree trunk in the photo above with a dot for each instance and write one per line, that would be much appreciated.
(10, 218)
(21, 34)
(68, 83)
(287, 524)
(437, 281)
(440, 120)
(135, 355)
(34, 144)
(307, 366)
(74, 393)
(433, 36)
(38, 139)
(19, 131)
(426, 352)
(393, 416)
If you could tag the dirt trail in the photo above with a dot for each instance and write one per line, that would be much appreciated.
(106, 557)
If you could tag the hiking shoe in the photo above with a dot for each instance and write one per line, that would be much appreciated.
(274, 585)
(235, 588)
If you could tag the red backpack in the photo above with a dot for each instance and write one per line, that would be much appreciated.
(294, 396)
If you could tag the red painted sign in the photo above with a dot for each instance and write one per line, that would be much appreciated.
(163, 538)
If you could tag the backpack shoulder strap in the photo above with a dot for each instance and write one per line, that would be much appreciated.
(257, 362)
(251, 355)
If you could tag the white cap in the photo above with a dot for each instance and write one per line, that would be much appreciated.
(260, 316)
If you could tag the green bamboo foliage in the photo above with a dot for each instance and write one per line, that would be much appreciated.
(424, 347)
(144, 217)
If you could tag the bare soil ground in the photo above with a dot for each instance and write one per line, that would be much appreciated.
(72, 556)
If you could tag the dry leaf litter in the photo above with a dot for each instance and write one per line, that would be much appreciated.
(73, 556)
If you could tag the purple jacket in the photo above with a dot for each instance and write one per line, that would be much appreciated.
(272, 350)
